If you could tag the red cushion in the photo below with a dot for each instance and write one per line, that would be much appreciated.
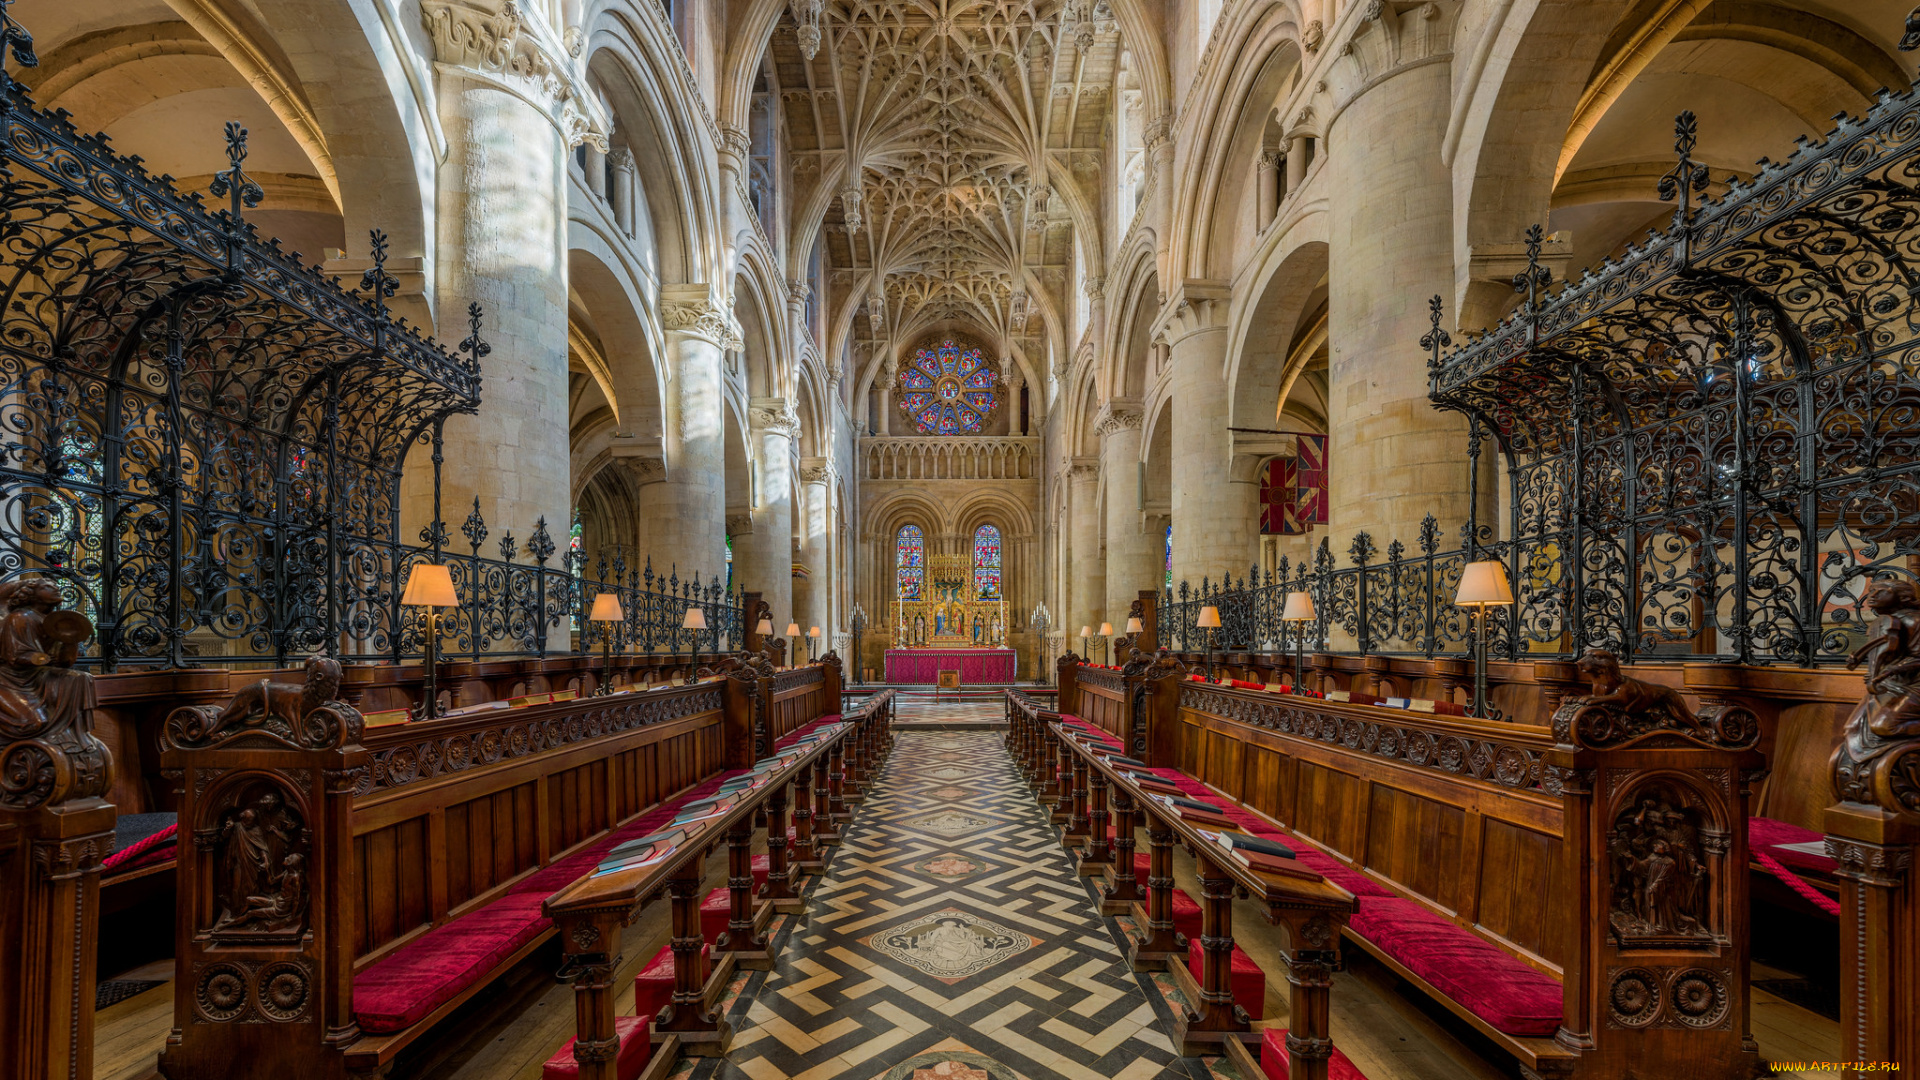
(417, 978)
(653, 987)
(1186, 914)
(1244, 977)
(717, 908)
(1489, 982)
(1245, 685)
(1273, 1059)
(1766, 834)
(636, 1047)
(1196, 678)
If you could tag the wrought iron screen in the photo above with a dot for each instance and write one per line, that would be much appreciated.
(1711, 444)
(202, 438)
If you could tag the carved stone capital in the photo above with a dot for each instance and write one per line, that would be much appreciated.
(1118, 416)
(621, 158)
(697, 314)
(740, 524)
(1083, 468)
(734, 141)
(774, 416)
(815, 470)
(518, 55)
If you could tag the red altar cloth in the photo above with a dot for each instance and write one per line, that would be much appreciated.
(976, 666)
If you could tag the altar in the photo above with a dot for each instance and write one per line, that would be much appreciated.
(976, 666)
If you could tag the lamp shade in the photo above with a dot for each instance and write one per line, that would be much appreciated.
(1134, 627)
(1209, 616)
(813, 631)
(695, 619)
(1299, 607)
(1106, 629)
(606, 608)
(1086, 631)
(793, 629)
(1483, 583)
(429, 585)
(765, 628)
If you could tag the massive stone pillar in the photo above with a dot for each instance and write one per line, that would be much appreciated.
(764, 562)
(1394, 458)
(511, 103)
(1087, 592)
(816, 481)
(1213, 512)
(1132, 557)
(685, 514)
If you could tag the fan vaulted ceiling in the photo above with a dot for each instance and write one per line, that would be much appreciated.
(946, 150)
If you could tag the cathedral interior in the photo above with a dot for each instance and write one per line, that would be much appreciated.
(959, 539)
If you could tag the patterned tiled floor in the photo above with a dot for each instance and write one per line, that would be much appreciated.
(932, 713)
(950, 940)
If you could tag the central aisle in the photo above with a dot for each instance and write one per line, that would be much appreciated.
(951, 940)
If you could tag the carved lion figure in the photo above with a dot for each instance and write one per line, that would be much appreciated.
(257, 701)
(1630, 695)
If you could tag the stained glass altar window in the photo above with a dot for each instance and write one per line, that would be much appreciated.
(986, 563)
(1169, 558)
(948, 389)
(910, 562)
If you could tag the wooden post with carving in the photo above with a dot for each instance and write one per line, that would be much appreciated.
(263, 945)
(1873, 832)
(1656, 806)
(55, 827)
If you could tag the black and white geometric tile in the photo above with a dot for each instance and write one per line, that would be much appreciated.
(950, 940)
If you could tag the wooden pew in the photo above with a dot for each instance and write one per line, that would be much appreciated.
(422, 852)
(591, 913)
(1510, 837)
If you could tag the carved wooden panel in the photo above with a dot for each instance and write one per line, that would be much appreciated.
(577, 804)
(1330, 806)
(1268, 783)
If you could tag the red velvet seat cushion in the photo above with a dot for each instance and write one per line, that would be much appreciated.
(717, 908)
(1248, 982)
(653, 987)
(427, 972)
(1245, 685)
(1274, 1059)
(1186, 914)
(1510, 996)
(1766, 834)
(636, 1048)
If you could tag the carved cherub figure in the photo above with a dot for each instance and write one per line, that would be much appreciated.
(1635, 697)
(38, 646)
(1893, 673)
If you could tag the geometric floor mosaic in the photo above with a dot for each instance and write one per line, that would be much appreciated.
(949, 940)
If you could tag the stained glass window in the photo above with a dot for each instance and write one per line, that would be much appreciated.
(1169, 558)
(986, 563)
(947, 388)
(910, 562)
(729, 564)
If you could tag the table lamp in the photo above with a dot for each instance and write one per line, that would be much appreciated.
(606, 610)
(1209, 621)
(1106, 640)
(793, 640)
(813, 638)
(1299, 610)
(696, 621)
(430, 585)
(1482, 584)
(1085, 633)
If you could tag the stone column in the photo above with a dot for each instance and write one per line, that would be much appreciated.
(623, 188)
(1087, 595)
(816, 479)
(765, 561)
(686, 513)
(596, 172)
(1214, 517)
(1296, 163)
(1132, 560)
(1267, 175)
(887, 374)
(511, 102)
(1394, 458)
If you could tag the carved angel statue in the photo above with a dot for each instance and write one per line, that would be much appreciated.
(39, 689)
(1893, 696)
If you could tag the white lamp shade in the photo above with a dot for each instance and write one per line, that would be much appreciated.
(765, 628)
(1299, 608)
(695, 619)
(1134, 627)
(1483, 583)
(813, 631)
(1209, 616)
(606, 608)
(793, 629)
(429, 585)
(1086, 631)
(1106, 629)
